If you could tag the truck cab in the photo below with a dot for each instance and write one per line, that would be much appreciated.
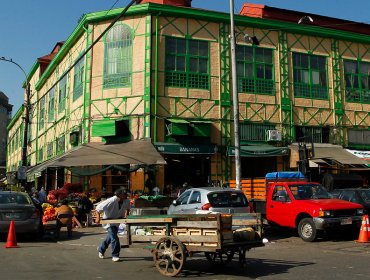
(309, 208)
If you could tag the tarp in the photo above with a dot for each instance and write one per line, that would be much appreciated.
(97, 153)
(285, 175)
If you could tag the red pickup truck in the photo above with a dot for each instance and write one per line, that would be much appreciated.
(286, 199)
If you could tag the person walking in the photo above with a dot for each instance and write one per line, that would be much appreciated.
(115, 207)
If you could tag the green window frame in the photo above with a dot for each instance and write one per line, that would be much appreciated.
(62, 91)
(254, 132)
(187, 63)
(41, 154)
(60, 145)
(310, 76)
(357, 81)
(255, 70)
(118, 57)
(78, 78)
(42, 113)
(49, 149)
(51, 105)
(317, 134)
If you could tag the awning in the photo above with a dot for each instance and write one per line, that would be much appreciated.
(133, 152)
(327, 155)
(259, 151)
(182, 149)
(365, 155)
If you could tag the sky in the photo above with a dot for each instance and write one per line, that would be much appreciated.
(30, 29)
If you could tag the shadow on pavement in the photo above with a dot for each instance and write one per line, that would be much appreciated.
(254, 268)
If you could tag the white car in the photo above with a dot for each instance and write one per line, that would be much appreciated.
(220, 200)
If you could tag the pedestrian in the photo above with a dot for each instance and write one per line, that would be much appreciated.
(42, 195)
(84, 207)
(64, 215)
(150, 184)
(115, 207)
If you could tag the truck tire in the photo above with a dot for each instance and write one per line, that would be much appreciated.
(307, 230)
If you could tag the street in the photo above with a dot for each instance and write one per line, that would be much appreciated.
(285, 256)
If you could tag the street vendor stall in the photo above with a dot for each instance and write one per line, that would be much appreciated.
(181, 236)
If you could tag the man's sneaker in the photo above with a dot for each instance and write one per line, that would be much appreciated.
(115, 259)
(101, 255)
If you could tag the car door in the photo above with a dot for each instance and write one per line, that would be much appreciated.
(181, 203)
(280, 211)
(194, 203)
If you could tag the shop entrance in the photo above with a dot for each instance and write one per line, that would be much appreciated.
(193, 169)
(253, 167)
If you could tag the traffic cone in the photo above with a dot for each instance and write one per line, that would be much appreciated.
(364, 231)
(12, 239)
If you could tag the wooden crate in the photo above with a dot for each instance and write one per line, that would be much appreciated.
(209, 232)
(161, 231)
(180, 231)
(194, 231)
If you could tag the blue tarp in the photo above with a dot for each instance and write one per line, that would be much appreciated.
(285, 175)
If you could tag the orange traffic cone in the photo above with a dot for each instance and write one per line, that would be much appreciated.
(12, 239)
(364, 231)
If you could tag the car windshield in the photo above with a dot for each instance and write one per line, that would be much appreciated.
(227, 199)
(365, 194)
(309, 191)
(14, 198)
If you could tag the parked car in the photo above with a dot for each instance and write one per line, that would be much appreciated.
(20, 208)
(358, 195)
(194, 200)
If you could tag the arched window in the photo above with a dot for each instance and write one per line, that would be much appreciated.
(118, 57)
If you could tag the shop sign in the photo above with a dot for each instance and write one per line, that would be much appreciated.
(176, 148)
(365, 155)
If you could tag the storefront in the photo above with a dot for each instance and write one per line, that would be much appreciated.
(190, 163)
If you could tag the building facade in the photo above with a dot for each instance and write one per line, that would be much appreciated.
(162, 72)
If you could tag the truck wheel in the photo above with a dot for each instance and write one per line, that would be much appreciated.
(307, 230)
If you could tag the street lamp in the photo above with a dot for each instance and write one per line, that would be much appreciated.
(235, 99)
(26, 120)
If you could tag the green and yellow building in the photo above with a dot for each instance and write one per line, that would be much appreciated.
(163, 72)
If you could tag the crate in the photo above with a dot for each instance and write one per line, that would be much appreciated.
(161, 231)
(209, 232)
(194, 231)
(180, 231)
(210, 244)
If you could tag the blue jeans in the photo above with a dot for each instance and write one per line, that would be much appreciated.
(112, 238)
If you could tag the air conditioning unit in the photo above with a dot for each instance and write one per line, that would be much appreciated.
(273, 135)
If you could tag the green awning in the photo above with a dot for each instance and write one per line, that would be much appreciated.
(177, 148)
(104, 128)
(178, 127)
(259, 151)
(201, 128)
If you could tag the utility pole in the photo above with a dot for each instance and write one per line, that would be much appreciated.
(235, 99)
(22, 170)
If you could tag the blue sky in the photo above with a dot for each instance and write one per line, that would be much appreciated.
(30, 29)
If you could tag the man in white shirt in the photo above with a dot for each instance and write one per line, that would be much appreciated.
(116, 207)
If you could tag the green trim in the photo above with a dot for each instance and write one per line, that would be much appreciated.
(17, 115)
(178, 121)
(212, 16)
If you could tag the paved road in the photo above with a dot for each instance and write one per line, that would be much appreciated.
(284, 257)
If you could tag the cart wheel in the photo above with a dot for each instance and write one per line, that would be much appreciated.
(220, 258)
(169, 256)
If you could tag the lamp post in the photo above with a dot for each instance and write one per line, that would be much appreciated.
(26, 120)
(235, 99)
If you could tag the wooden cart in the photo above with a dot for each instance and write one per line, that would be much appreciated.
(174, 238)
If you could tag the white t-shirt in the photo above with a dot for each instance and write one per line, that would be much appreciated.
(112, 210)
